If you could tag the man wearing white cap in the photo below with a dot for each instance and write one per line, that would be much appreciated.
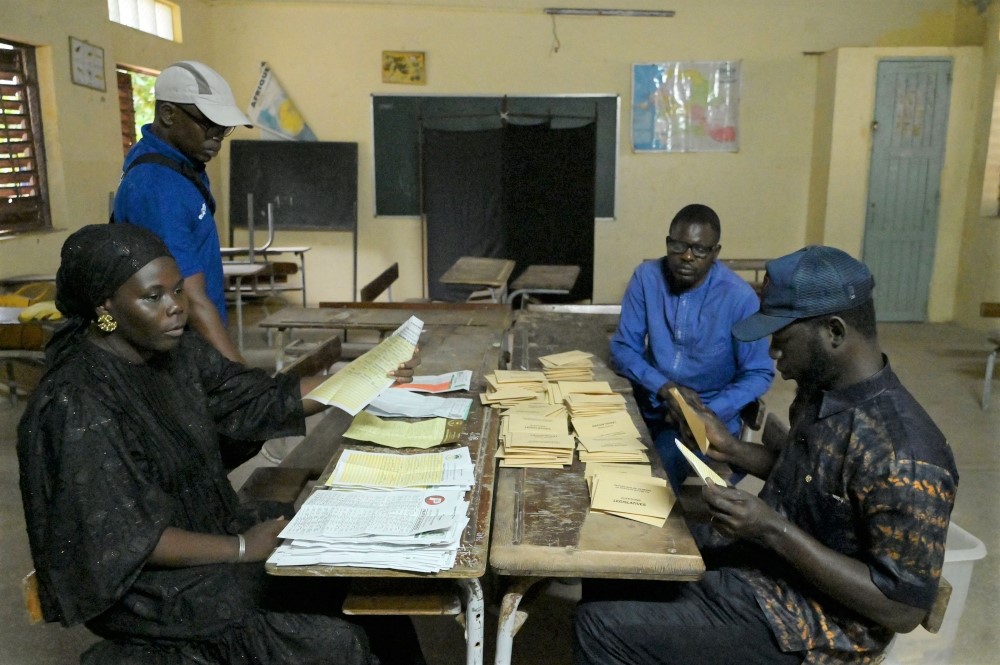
(165, 188)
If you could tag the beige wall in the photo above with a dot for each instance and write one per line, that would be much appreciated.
(82, 125)
(327, 56)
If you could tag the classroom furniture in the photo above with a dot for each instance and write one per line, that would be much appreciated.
(444, 348)
(21, 344)
(756, 266)
(383, 317)
(266, 254)
(20, 280)
(488, 273)
(539, 280)
(382, 283)
(237, 272)
(543, 525)
(990, 309)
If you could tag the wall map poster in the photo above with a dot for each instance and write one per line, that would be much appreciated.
(686, 106)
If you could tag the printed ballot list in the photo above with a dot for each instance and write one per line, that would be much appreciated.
(353, 387)
(384, 510)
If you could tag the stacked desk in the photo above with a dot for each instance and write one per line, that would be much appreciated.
(544, 527)
(491, 274)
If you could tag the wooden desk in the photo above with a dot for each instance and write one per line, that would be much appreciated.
(543, 280)
(756, 266)
(443, 348)
(544, 527)
(489, 273)
(541, 330)
(385, 317)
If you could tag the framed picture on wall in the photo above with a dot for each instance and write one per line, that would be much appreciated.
(403, 67)
(86, 63)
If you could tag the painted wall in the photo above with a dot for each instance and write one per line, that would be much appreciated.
(843, 153)
(327, 56)
(81, 125)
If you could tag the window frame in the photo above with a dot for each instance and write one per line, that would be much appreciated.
(32, 213)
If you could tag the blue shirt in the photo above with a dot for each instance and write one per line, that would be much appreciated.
(687, 338)
(168, 204)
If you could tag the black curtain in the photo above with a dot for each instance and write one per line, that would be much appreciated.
(519, 192)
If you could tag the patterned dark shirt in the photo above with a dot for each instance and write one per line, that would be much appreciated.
(867, 473)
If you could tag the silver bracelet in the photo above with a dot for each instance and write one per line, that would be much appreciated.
(243, 548)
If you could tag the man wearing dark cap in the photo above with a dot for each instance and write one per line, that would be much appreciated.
(844, 545)
(165, 188)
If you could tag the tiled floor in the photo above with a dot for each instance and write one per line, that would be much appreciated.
(942, 365)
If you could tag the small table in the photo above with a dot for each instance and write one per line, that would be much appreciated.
(239, 272)
(543, 526)
(233, 252)
(543, 280)
(481, 271)
(444, 348)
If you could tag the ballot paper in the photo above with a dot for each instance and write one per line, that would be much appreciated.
(408, 404)
(703, 470)
(396, 434)
(439, 383)
(358, 468)
(354, 386)
(412, 530)
(694, 421)
(646, 500)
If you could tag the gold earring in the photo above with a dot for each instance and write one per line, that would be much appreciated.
(106, 323)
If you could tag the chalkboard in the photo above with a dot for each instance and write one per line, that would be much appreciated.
(398, 119)
(311, 184)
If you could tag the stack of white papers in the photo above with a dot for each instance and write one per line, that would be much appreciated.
(384, 510)
(414, 530)
(410, 404)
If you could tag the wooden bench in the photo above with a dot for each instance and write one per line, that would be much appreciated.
(382, 283)
(756, 266)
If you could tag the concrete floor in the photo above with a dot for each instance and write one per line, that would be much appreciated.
(941, 364)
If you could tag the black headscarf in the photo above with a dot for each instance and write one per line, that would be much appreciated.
(95, 261)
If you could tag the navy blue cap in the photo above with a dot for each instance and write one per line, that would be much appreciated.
(813, 281)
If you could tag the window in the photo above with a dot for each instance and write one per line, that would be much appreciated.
(153, 16)
(24, 201)
(135, 103)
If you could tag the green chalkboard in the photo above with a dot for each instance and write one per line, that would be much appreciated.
(397, 121)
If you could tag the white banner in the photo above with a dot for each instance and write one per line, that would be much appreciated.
(273, 111)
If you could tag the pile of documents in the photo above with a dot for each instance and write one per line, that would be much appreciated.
(507, 387)
(603, 426)
(568, 366)
(630, 491)
(535, 435)
(384, 510)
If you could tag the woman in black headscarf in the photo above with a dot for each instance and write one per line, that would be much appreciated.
(133, 525)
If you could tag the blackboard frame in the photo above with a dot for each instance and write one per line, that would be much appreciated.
(313, 185)
(396, 128)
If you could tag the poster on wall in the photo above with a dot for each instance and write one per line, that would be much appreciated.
(686, 106)
(272, 110)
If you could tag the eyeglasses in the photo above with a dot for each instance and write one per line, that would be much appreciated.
(681, 247)
(212, 130)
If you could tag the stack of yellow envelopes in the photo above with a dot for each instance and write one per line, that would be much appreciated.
(535, 435)
(510, 387)
(635, 496)
(568, 366)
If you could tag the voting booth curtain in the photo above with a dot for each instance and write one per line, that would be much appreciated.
(520, 192)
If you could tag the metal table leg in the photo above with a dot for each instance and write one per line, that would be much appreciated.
(511, 619)
(475, 608)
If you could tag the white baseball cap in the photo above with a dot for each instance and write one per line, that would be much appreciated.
(190, 82)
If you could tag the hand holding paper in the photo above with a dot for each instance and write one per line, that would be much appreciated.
(694, 421)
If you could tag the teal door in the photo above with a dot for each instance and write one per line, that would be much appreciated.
(908, 141)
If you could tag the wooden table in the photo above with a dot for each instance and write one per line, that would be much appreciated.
(543, 525)
(488, 273)
(443, 348)
(384, 317)
(265, 252)
(543, 280)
